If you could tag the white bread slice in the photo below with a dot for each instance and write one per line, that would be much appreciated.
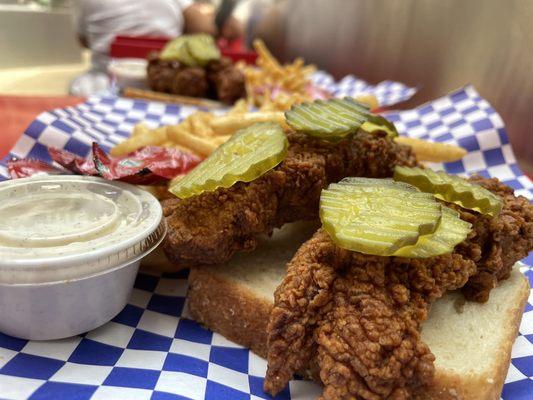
(472, 342)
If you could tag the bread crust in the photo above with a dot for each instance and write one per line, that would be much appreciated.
(236, 312)
(449, 385)
(230, 309)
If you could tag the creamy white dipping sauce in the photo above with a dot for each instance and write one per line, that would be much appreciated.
(65, 227)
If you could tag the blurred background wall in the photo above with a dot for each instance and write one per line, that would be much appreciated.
(37, 33)
(435, 45)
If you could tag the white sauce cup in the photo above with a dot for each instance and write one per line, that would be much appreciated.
(70, 248)
(128, 72)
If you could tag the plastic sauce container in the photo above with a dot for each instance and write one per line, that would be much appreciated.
(70, 248)
(129, 72)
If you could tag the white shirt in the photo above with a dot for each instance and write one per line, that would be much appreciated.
(101, 20)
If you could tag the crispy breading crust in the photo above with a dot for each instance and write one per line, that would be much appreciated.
(495, 244)
(360, 316)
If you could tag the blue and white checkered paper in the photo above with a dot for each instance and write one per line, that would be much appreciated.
(151, 350)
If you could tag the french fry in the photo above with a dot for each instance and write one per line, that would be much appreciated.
(182, 137)
(240, 107)
(289, 79)
(368, 99)
(194, 134)
(228, 124)
(218, 140)
(140, 129)
(432, 151)
(154, 137)
(200, 125)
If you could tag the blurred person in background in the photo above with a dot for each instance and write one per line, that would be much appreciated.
(98, 22)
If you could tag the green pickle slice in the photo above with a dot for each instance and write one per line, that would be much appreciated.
(334, 119)
(177, 49)
(247, 155)
(451, 231)
(191, 50)
(377, 216)
(377, 123)
(451, 188)
(203, 49)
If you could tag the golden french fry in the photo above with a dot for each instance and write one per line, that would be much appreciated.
(368, 99)
(153, 137)
(218, 140)
(171, 144)
(432, 151)
(240, 107)
(186, 124)
(199, 125)
(227, 124)
(123, 148)
(140, 129)
(182, 137)
(292, 78)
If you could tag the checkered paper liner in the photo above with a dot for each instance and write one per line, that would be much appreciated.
(151, 350)
(387, 93)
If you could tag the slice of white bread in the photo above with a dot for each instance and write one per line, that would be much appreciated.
(472, 342)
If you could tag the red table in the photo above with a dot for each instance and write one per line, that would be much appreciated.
(17, 112)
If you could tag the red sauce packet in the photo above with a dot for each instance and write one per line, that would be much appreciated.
(28, 167)
(146, 166)
(73, 162)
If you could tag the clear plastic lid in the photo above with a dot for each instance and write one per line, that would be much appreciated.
(54, 228)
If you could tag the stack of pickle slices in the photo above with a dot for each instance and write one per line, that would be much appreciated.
(191, 50)
(388, 218)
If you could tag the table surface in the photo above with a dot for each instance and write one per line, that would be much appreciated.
(17, 112)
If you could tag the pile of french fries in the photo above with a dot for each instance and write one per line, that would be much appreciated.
(290, 81)
(200, 133)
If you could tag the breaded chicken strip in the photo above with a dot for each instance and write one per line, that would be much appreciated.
(358, 316)
(211, 227)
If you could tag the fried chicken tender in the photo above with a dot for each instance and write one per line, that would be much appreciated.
(496, 244)
(211, 227)
(358, 316)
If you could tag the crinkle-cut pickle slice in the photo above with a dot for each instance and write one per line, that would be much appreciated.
(334, 119)
(203, 49)
(247, 155)
(377, 123)
(377, 216)
(177, 49)
(451, 231)
(451, 188)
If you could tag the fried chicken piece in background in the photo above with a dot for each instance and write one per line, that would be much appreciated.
(358, 316)
(227, 80)
(220, 79)
(211, 227)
